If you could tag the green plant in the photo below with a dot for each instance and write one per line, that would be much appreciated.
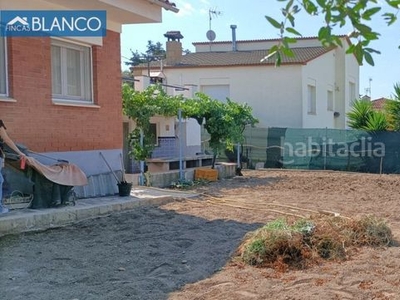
(359, 114)
(187, 184)
(357, 13)
(392, 107)
(363, 116)
(225, 122)
(278, 224)
(377, 121)
(280, 244)
(254, 252)
(140, 107)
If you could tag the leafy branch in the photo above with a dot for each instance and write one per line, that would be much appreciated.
(225, 122)
(358, 13)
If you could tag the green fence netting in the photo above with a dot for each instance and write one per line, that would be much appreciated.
(318, 149)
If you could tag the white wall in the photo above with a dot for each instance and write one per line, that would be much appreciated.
(352, 75)
(141, 83)
(193, 133)
(278, 95)
(321, 71)
(273, 93)
(340, 88)
(188, 91)
(165, 126)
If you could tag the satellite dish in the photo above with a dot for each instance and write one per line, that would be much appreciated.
(210, 35)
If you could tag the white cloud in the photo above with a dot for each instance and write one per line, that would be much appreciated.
(185, 9)
(204, 11)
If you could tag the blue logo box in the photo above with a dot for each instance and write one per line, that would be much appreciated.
(28, 23)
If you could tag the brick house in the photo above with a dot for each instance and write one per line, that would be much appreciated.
(62, 97)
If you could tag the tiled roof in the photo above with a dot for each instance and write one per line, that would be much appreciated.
(242, 58)
(265, 40)
(379, 104)
(165, 4)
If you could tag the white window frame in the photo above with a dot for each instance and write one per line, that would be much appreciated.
(311, 99)
(5, 94)
(86, 91)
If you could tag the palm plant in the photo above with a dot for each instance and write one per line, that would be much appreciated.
(392, 108)
(377, 121)
(364, 117)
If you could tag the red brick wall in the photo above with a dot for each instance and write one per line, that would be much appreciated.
(45, 127)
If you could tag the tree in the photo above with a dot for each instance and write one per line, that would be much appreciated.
(140, 107)
(154, 52)
(225, 122)
(358, 13)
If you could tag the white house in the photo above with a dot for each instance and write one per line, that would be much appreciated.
(314, 89)
(172, 137)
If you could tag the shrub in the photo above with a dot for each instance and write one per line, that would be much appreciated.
(284, 245)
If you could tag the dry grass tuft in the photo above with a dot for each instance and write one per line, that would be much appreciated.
(283, 244)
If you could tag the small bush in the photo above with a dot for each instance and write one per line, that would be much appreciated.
(370, 231)
(188, 184)
(284, 245)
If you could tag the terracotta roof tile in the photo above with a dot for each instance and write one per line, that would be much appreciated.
(265, 40)
(379, 104)
(242, 58)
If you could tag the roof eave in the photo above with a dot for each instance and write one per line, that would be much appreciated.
(222, 66)
(164, 5)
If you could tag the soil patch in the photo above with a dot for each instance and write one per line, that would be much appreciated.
(185, 249)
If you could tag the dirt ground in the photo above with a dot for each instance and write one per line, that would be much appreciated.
(185, 249)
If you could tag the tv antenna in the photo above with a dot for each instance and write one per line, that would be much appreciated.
(212, 13)
(368, 89)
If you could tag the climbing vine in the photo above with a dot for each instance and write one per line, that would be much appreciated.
(224, 122)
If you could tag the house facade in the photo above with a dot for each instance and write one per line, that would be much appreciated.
(172, 137)
(313, 89)
(61, 97)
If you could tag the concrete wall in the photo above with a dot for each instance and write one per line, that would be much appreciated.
(165, 179)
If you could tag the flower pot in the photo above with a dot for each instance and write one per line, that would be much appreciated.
(124, 188)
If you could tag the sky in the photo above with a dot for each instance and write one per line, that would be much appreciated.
(193, 21)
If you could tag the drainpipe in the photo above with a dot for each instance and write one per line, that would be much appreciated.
(180, 146)
(234, 47)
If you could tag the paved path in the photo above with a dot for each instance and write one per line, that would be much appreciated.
(21, 220)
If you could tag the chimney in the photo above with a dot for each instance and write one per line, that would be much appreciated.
(234, 46)
(174, 47)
